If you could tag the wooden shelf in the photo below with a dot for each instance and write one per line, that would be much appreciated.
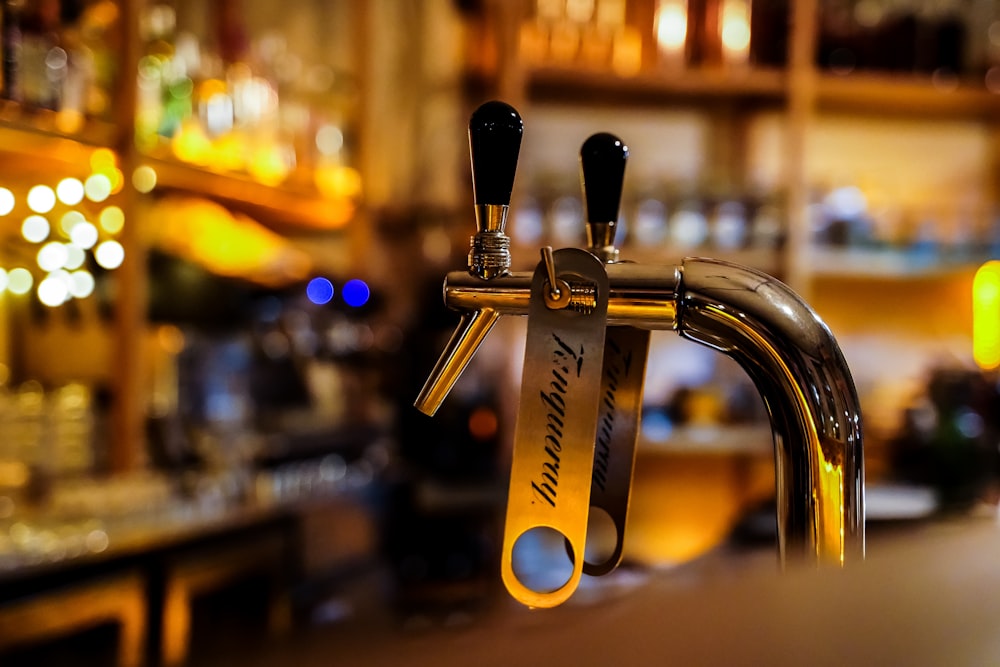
(904, 95)
(886, 264)
(39, 123)
(37, 151)
(557, 83)
(285, 207)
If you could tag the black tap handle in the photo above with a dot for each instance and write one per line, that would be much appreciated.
(495, 131)
(602, 163)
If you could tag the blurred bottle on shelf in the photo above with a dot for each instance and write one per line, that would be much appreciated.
(12, 49)
(904, 37)
(61, 56)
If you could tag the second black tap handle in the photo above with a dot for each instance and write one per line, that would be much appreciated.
(602, 167)
(602, 162)
(495, 131)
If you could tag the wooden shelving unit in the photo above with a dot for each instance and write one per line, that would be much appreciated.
(291, 209)
(800, 92)
(661, 87)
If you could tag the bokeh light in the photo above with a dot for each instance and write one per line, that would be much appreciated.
(110, 254)
(319, 291)
(75, 257)
(70, 191)
(52, 256)
(144, 179)
(41, 199)
(35, 229)
(112, 219)
(81, 284)
(356, 293)
(84, 235)
(69, 220)
(19, 281)
(53, 291)
(6, 201)
(97, 188)
(103, 159)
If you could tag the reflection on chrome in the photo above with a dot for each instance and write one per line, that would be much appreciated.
(785, 348)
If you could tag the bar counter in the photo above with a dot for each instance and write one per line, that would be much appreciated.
(926, 595)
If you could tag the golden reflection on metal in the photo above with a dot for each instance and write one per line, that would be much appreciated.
(469, 335)
(553, 453)
(788, 352)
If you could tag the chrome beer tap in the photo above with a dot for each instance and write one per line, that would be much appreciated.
(574, 297)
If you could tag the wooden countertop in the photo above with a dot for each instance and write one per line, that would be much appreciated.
(927, 596)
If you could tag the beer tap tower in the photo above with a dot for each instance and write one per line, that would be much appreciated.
(589, 317)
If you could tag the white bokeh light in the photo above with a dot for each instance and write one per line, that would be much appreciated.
(70, 191)
(84, 235)
(41, 199)
(35, 229)
(69, 220)
(97, 188)
(52, 256)
(6, 201)
(19, 280)
(110, 254)
(53, 291)
(75, 257)
(81, 284)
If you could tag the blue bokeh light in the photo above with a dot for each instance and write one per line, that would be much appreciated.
(356, 293)
(319, 291)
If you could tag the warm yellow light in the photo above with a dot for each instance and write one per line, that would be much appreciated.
(84, 235)
(110, 254)
(171, 339)
(3, 279)
(70, 191)
(229, 244)
(35, 229)
(671, 25)
(271, 163)
(52, 256)
(211, 87)
(41, 199)
(117, 180)
(69, 121)
(735, 28)
(626, 52)
(97, 188)
(337, 181)
(191, 144)
(19, 281)
(229, 152)
(986, 315)
(112, 219)
(144, 179)
(102, 159)
(6, 201)
(69, 220)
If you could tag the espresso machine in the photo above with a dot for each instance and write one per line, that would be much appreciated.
(589, 318)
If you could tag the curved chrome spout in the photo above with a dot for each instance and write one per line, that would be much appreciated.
(807, 389)
(785, 348)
